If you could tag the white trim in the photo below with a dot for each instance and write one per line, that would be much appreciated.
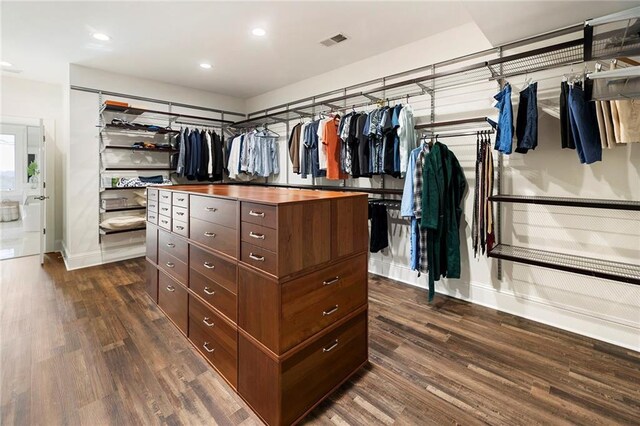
(100, 257)
(568, 318)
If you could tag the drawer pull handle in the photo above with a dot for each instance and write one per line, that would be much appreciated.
(164, 221)
(171, 288)
(180, 213)
(209, 234)
(256, 214)
(171, 245)
(180, 228)
(258, 258)
(209, 292)
(170, 265)
(331, 281)
(209, 265)
(256, 236)
(180, 199)
(330, 311)
(332, 347)
(164, 209)
(206, 321)
(206, 348)
(166, 197)
(210, 209)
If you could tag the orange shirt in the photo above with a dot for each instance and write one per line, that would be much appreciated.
(332, 142)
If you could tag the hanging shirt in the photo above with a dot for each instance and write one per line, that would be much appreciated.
(265, 158)
(303, 151)
(294, 148)
(334, 170)
(322, 146)
(406, 210)
(406, 135)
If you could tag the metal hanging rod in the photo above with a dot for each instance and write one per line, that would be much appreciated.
(460, 134)
(158, 101)
(378, 191)
(451, 123)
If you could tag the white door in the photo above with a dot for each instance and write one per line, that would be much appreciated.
(21, 190)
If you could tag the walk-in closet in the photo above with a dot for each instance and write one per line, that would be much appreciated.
(305, 212)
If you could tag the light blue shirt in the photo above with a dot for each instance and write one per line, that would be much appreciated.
(406, 209)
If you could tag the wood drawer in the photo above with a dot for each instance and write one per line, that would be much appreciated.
(173, 266)
(261, 236)
(309, 374)
(173, 300)
(214, 236)
(259, 258)
(173, 245)
(152, 217)
(221, 331)
(152, 206)
(151, 282)
(180, 228)
(216, 210)
(152, 195)
(260, 214)
(213, 267)
(164, 222)
(179, 199)
(152, 243)
(164, 197)
(164, 209)
(180, 213)
(212, 348)
(317, 300)
(218, 296)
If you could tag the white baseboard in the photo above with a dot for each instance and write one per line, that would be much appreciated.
(100, 257)
(616, 331)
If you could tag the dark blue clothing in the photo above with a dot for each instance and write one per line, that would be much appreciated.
(504, 132)
(194, 155)
(527, 121)
(584, 126)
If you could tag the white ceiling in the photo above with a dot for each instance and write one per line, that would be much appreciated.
(166, 41)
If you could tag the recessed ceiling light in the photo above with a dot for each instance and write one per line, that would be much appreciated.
(6, 64)
(259, 32)
(205, 66)
(101, 37)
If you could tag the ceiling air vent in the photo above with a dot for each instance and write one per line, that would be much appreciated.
(338, 38)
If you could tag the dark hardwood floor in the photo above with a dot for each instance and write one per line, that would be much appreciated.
(89, 347)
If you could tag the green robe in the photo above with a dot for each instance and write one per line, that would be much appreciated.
(443, 189)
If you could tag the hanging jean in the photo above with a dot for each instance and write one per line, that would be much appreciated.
(504, 132)
(584, 125)
(565, 125)
(527, 121)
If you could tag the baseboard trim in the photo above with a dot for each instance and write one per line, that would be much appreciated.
(100, 257)
(535, 309)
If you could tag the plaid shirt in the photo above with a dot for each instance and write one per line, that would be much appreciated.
(423, 264)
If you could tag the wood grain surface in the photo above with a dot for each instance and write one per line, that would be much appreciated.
(90, 347)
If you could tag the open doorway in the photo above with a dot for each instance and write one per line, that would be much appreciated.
(22, 202)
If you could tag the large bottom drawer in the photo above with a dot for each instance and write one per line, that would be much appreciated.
(306, 377)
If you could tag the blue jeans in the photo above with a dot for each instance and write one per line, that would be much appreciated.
(584, 126)
(504, 132)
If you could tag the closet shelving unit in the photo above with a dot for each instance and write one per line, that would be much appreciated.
(137, 122)
(576, 45)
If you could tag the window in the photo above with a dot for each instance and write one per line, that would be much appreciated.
(7, 162)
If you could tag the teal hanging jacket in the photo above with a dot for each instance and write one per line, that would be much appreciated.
(443, 189)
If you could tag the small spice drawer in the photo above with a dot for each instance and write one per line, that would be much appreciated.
(164, 209)
(180, 200)
(152, 194)
(164, 222)
(152, 217)
(260, 214)
(180, 213)
(164, 197)
(152, 206)
(180, 228)
(261, 236)
(259, 258)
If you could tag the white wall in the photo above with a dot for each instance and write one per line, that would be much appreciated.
(23, 99)
(605, 310)
(82, 246)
